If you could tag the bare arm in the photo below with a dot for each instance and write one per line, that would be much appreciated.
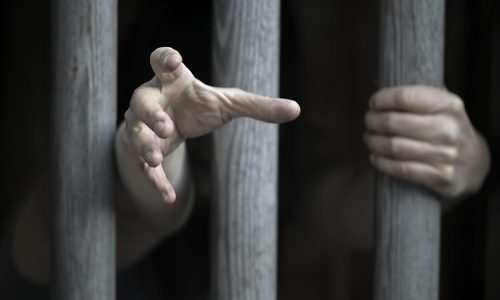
(143, 219)
(155, 193)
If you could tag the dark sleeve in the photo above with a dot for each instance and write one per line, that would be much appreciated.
(12, 284)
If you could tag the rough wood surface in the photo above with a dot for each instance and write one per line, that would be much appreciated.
(84, 36)
(408, 216)
(244, 228)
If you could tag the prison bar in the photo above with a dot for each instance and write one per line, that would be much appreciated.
(407, 230)
(83, 122)
(244, 216)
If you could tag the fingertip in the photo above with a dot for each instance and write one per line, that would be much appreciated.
(165, 61)
(294, 109)
(172, 61)
(169, 196)
(290, 110)
(165, 197)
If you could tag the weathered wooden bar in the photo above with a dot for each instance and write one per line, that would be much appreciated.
(84, 54)
(408, 216)
(244, 214)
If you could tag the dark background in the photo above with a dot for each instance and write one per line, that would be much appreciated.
(310, 147)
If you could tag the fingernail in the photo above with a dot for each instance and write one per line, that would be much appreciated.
(171, 62)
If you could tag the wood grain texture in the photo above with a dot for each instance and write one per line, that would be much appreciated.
(84, 36)
(407, 216)
(244, 215)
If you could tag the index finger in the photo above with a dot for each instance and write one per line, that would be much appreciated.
(418, 99)
(271, 110)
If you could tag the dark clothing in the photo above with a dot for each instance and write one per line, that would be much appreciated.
(181, 259)
(329, 64)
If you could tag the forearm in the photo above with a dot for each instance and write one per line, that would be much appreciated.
(143, 217)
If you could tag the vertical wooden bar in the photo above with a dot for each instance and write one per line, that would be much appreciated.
(407, 216)
(84, 41)
(244, 214)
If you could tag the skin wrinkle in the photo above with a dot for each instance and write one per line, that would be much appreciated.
(190, 105)
(423, 134)
(193, 107)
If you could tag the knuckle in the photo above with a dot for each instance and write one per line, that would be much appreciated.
(427, 124)
(377, 96)
(390, 122)
(456, 104)
(135, 130)
(394, 147)
(138, 93)
(451, 154)
(447, 174)
(157, 51)
(146, 149)
(404, 96)
(152, 116)
(145, 146)
(137, 97)
(128, 116)
(225, 116)
(143, 165)
(451, 134)
(233, 93)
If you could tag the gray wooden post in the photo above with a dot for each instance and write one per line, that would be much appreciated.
(408, 216)
(244, 224)
(84, 36)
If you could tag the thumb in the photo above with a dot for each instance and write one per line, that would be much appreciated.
(167, 64)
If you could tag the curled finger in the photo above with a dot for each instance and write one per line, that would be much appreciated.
(418, 99)
(430, 176)
(143, 140)
(430, 128)
(409, 149)
(145, 104)
(156, 175)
